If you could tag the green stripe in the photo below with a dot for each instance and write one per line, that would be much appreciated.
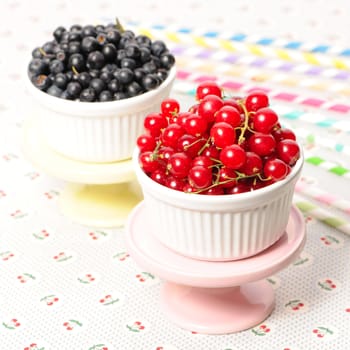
(334, 222)
(305, 206)
(314, 160)
(339, 170)
(293, 115)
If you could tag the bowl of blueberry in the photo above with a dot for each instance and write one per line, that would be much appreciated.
(93, 85)
(217, 179)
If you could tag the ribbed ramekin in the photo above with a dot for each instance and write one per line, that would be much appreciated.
(218, 228)
(96, 131)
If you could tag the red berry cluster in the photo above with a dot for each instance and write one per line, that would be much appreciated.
(219, 146)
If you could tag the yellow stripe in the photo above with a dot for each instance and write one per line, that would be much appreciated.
(207, 68)
(146, 32)
(320, 87)
(340, 64)
(200, 41)
(283, 54)
(345, 92)
(259, 77)
(290, 81)
(173, 37)
(311, 58)
(255, 50)
(226, 45)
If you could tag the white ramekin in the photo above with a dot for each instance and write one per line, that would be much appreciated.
(218, 228)
(96, 131)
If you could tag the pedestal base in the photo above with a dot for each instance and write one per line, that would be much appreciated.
(217, 310)
(99, 205)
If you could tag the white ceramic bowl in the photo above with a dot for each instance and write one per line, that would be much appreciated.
(96, 131)
(223, 227)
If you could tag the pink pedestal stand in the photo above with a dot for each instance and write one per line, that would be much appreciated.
(213, 297)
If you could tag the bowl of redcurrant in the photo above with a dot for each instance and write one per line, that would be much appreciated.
(92, 87)
(217, 179)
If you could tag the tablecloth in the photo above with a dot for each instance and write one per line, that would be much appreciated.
(67, 286)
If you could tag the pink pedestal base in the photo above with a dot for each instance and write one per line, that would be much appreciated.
(213, 297)
(217, 310)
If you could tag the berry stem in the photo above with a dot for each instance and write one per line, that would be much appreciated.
(118, 25)
(75, 71)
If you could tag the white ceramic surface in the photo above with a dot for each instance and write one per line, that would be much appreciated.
(224, 227)
(96, 131)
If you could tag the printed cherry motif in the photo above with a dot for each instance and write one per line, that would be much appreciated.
(122, 256)
(12, 324)
(261, 330)
(25, 277)
(327, 284)
(108, 300)
(294, 305)
(95, 235)
(62, 256)
(42, 234)
(136, 327)
(98, 347)
(50, 300)
(87, 279)
(144, 276)
(33, 346)
(51, 194)
(72, 324)
(5, 256)
(18, 214)
(322, 332)
(330, 240)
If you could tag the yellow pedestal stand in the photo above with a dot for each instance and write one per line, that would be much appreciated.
(97, 194)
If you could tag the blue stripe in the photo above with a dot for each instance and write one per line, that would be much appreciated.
(293, 45)
(326, 123)
(265, 41)
(158, 27)
(320, 48)
(293, 115)
(345, 52)
(339, 147)
(238, 37)
(211, 34)
(184, 30)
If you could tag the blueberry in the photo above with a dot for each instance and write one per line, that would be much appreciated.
(76, 28)
(139, 73)
(143, 40)
(62, 56)
(41, 81)
(74, 36)
(109, 67)
(98, 85)
(58, 33)
(89, 44)
(134, 89)
(119, 96)
(38, 66)
(100, 28)
(54, 90)
(128, 63)
(150, 67)
(132, 51)
(48, 47)
(88, 95)
(74, 47)
(106, 76)
(89, 30)
(65, 95)
(96, 60)
(101, 38)
(114, 85)
(162, 74)
(158, 47)
(69, 75)
(74, 89)
(120, 55)
(113, 36)
(64, 46)
(56, 66)
(48, 58)
(109, 52)
(125, 75)
(64, 38)
(60, 80)
(105, 96)
(167, 60)
(128, 34)
(150, 82)
(84, 79)
(37, 53)
(145, 54)
(94, 73)
(76, 60)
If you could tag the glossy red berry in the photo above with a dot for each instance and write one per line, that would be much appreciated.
(226, 177)
(202, 161)
(229, 115)
(275, 169)
(209, 106)
(170, 107)
(264, 120)
(147, 162)
(256, 100)
(171, 134)
(253, 164)
(283, 134)
(233, 156)
(196, 125)
(222, 134)
(190, 144)
(175, 183)
(234, 103)
(146, 143)
(262, 144)
(200, 177)
(159, 176)
(154, 123)
(288, 151)
(238, 188)
(207, 88)
(179, 164)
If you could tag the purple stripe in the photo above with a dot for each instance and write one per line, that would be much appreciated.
(286, 66)
(205, 54)
(231, 58)
(314, 71)
(342, 76)
(178, 50)
(260, 62)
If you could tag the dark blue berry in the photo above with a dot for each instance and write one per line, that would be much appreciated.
(48, 47)
(77, 61)
(150, 82)
(98, 85)
(41, 81)
(139, 73)
(88, 95)
(74, 47)
(114, 85)
(88, 30)
(38, 66)
(58, 33)
(167, 60)
(109, 52)
(145, 54)
(60, 80)
(134, 89)
(113, 36)
(143, 40)
(125, 75)
(132, 51)
(106, 76)
(105, 96)
(76, 28)
(89, 44)
(158, 47)
(56, 66)
(74, 89)
(119, 96)
(150, 67)
(128, 63)
(84, 79)
(96, 60)
(37, 53)
(54, 90)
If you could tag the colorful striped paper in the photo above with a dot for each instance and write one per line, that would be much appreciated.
(319, 55)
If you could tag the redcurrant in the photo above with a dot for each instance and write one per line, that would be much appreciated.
(207, 88)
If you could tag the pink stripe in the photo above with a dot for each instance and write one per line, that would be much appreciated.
(340, 108)
(347, 211)
(258, 88)
(181, 74)
(313, 102)
(232, 85)
(326, 198)
(285, 96)
(205, 78)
